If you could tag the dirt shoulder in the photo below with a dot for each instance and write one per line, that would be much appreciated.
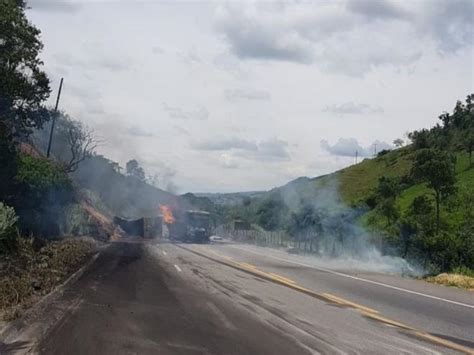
(36, 270)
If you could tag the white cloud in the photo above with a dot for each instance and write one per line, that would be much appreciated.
(348, 147)
(246, 94)
(228, 161)
(265, 150)
(352, 108)
(199, 113)
(202, 87)
(98, 61)
(226, 144)
(351, 37)
(54, 5)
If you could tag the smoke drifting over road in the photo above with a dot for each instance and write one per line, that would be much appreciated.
(317, 214)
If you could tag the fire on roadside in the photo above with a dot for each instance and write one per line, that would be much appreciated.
(167, 214)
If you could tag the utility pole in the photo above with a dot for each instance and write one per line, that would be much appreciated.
(375, 149)
(357, 153)
(54, 119)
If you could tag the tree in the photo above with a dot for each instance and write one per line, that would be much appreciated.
(436, 168)
(417, 226)
(468, 142)
(8, 166)
(44, 191)
(386, 194)
(271, 212)
(24, 86)
(82, 144)
(134, 169)
(398, 142)
(467, 228)
(72, 143)
(420, 139)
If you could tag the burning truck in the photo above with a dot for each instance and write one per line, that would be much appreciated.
(186, 225)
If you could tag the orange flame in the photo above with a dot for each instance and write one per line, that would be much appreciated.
(167, 214)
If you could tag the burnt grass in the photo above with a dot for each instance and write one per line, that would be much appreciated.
(36, 268)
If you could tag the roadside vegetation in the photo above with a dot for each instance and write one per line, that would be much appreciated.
(36, 268)
(38, 200)
(49, 204)
(416, 201)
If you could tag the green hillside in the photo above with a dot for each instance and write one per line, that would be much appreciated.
(416, 201)
(358, 181)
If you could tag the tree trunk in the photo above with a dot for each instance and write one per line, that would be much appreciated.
(437, 211)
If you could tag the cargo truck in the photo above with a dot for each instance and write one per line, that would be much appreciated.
(188, 226)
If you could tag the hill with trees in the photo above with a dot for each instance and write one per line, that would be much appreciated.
(416, 201)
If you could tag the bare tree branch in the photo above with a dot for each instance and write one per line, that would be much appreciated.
(82, 144)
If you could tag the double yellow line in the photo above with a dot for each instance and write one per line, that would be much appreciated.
(329, 298)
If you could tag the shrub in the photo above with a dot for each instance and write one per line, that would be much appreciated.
(463, 270)
(8, 165)
(44, 192)
(8, 231)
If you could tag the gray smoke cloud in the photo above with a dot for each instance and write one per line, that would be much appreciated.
(341, 242)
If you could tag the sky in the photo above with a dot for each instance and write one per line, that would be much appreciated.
(243, 96)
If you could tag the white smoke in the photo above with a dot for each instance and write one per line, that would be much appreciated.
(340, 240)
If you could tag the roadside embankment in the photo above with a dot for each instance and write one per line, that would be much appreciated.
(37, 268)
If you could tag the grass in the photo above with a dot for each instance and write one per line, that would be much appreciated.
(35, 271)
(455, 280)
(464, 175)
(357, 182)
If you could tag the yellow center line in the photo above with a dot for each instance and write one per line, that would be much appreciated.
(365, 311)
(279, 277)
(343, 301)
(420, 334)
(249, 266)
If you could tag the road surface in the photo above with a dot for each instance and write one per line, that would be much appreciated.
(143, 298)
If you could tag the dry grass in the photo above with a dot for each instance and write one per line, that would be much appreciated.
(35, 271)
(455, 280)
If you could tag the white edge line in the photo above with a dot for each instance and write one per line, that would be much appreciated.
(177, 267)
(358, 278)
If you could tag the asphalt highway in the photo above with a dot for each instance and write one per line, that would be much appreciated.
(223, 298)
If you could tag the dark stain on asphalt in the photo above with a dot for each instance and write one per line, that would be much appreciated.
(148, 311)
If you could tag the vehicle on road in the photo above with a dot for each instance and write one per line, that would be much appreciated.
(189, 226)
